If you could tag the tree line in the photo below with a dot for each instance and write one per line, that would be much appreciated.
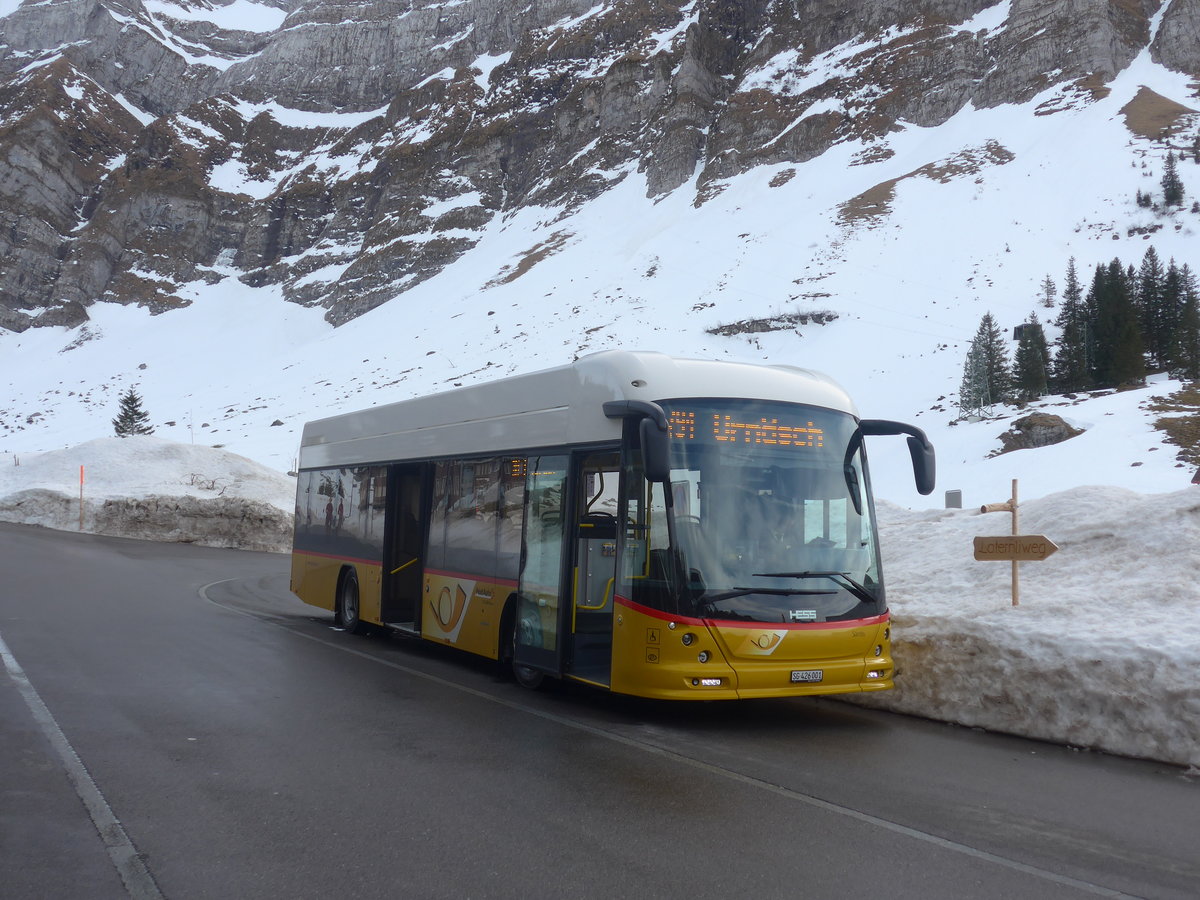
(1129, 323)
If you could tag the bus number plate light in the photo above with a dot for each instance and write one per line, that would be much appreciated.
(807, 675)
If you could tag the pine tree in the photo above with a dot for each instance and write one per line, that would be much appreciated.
(1048, 292)
(1171, 184)
(1117, 358)
(1030, 368)
(974, 398)
(986, 376)
(1170, 310)
(1071, 363)
(1153, 315)
(132, 419)
(1187, 334)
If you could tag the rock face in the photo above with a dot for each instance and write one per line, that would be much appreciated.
(1037, 429)
(349, 150)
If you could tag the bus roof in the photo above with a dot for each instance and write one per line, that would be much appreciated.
(554, 407)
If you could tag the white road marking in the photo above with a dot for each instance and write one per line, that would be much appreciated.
(137, 878)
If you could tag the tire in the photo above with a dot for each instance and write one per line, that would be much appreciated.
(346, 616)
(526, 676)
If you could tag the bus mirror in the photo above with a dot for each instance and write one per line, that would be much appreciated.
(924, 463)
(923, 459)
(655, 450)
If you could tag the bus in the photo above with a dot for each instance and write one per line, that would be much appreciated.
(655, 526)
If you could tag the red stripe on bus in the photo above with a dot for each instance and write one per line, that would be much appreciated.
(739, 623)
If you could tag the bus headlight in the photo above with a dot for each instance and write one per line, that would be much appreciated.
(879, 649)
(703, 657)
(688, 639)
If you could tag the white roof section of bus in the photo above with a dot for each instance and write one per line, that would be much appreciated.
(551, 408)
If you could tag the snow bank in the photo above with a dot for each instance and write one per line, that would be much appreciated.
(152, 489)
(1104, 649)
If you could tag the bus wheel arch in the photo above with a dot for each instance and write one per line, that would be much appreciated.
(346, 608)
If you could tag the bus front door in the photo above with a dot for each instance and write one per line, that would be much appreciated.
(403, 567)
(595, 567)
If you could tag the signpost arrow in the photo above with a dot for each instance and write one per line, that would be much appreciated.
(1014, 547)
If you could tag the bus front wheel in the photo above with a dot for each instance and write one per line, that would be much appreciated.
(525, 676)
(346, 616)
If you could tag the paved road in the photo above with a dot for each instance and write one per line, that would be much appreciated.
(175, 724)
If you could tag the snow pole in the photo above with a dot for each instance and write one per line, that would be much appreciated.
(1016, 571)
(81, 498)
(1009, 506)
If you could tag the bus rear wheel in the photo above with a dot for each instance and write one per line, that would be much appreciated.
(346, 615)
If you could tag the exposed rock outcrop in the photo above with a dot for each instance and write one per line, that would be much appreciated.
(348, 151)
(1037, 429)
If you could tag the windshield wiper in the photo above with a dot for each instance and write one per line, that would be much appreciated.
(858, 590)
(709, 599)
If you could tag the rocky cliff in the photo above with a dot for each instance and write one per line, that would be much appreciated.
(346, 150)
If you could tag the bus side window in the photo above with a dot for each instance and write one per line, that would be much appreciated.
(511, 518)
(436, 557)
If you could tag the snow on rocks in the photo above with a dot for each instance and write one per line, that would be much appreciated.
(1103, 651)
(152, 489)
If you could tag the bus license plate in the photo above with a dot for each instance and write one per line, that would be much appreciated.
(807, 674)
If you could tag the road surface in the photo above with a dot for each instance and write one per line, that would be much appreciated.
(176, 724)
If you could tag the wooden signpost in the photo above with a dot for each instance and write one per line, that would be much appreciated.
(1014, 547)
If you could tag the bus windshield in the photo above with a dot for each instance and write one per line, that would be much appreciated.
(770, 518)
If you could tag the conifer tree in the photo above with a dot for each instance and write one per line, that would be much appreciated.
(1171, 184)
(974, 398)
(1071, 363)
(1153, 316)
(986, 376)
(1048, 292)
(1117, 357)
(1187, 334)
(1166, 325)
(131, 419)
(1032, 362)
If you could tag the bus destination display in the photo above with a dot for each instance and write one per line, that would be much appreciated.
(686, 425)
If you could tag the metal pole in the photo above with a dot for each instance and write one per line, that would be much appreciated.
(81, 498)
(1016, 575)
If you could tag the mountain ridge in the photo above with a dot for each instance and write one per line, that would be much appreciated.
(506, 104)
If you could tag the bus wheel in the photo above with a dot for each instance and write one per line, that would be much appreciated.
(346, 616)
(528, 677)
(525, 676)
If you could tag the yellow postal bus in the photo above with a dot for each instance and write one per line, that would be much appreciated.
(662, 527)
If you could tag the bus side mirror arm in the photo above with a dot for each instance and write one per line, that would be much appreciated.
(923, 458)
(656, 457)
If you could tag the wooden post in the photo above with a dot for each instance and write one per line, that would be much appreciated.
(1016, 575)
